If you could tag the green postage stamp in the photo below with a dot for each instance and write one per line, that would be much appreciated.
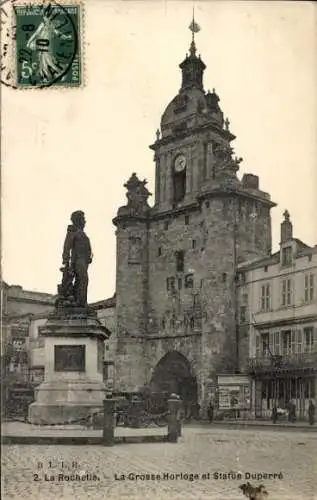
(48, 48)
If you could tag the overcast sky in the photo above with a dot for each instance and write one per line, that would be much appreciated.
(64, 150)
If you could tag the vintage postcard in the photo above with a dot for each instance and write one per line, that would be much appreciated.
(159, 250)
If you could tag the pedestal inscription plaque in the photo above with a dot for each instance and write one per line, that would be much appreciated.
(69, 358)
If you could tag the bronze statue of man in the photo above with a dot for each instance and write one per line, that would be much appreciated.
(77, 256)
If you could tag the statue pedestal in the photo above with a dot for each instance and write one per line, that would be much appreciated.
(73, 385)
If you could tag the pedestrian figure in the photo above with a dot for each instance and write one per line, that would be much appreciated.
(274, 414)
(210, 411)
(292, 412)
(311, 412)
(197, 411)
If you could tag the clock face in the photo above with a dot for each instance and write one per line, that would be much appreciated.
(180, 163)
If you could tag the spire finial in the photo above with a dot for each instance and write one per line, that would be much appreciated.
(286, 215)
(194, 28)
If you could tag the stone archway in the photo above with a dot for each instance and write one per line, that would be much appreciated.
(173, 374)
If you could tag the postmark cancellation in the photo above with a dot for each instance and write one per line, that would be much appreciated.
(41, 44)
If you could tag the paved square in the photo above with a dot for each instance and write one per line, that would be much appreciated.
(36, 471)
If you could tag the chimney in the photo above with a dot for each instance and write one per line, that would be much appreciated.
(286, 228)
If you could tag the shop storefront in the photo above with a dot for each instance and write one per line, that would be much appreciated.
(233, 397)
(279, 389)
(289, 380)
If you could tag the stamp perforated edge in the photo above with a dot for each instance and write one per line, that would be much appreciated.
(81, 46)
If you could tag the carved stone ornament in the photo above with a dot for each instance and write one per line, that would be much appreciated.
(137, 195)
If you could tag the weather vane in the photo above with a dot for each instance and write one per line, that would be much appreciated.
(194, 27)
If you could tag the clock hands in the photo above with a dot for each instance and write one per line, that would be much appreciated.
(180, 163)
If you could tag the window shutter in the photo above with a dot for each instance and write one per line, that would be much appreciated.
(257, 345)
(262, 298)
(306, 288)
(293, 341)
(283, 292)
(271, 343)
(277, 342)
(299, 341)
(312, 285)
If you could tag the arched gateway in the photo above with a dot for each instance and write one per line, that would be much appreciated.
(173, 374)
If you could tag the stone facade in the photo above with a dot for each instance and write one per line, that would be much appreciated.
(277, 297)
(176, 261)
(19, 307)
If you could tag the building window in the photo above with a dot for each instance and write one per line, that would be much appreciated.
(18, 344)
(288, 342)
(265, 269)
(244, 299)
(170, 284)
(286, 256)
(189, 281)
(180, 283)
(179, 261)
(265, 297)
(308, 339)
(179, 185)
(309, 287)
(242, 278)
(257, 346)
(224, 277)
(159, 251)
(299, 341)
(293, 342)
(207, 204)
(243, 314)
(193, 244)
(186, 220)
(276, 343)
(265, 348)
(166, 225)
(286, 292)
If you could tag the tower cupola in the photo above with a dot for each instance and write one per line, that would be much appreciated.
(192, 67)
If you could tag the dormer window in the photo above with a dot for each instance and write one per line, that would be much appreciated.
(286, 256)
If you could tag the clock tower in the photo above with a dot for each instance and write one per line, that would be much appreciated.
(176, 262)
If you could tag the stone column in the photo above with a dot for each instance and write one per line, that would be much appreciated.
(192, 170)
(174, 404)
(252, 411)
(168, 179)
(108, 423)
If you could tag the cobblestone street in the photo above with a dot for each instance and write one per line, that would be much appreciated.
(27, 471)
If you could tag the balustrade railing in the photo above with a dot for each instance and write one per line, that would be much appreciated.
(307, 360)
